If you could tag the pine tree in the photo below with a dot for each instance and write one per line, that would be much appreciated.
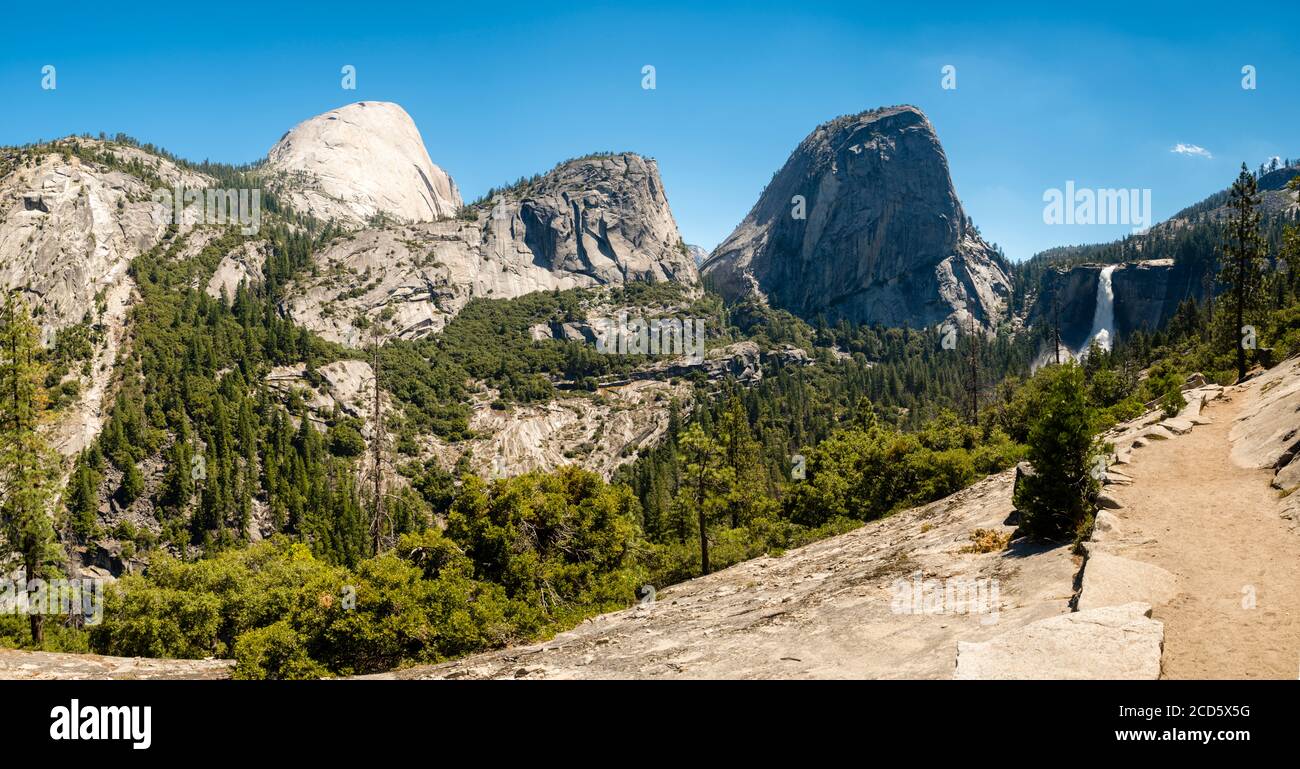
(741, 456)
(1055, 500)
(973, 372)
(27, 465)
(705, 481)
(1242, 250)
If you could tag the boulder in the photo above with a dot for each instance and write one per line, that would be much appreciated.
(1110, 643)
(1105, 526)
(1023, 470)
(1111, 580)
(1288, 477)
(1108, 502)
(1116, 478)
(1157, 433)
(1268, 426)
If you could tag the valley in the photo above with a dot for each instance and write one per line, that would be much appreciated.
(263, 434)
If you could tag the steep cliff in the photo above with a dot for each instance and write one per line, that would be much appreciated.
(1157, 269)
(862, 223)
(1146, 295)
(599, 220)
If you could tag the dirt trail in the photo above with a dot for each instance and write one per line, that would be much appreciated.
(1216, 527)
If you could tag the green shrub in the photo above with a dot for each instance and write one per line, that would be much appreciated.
(1057, 497)
(345, 440)
(274, 652)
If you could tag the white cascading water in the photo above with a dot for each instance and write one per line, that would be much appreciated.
(1103, 317)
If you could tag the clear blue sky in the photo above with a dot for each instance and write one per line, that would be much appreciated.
(499, 90)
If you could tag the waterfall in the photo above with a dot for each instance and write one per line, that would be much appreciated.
(1103, 317)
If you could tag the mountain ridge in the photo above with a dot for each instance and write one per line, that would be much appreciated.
(862, 223)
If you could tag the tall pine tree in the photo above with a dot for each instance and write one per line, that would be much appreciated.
(1242, 252)
(27, 465)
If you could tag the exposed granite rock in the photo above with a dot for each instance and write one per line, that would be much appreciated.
(242, 265)
(1105, 526)
(602, 220)
(599, 433)
(1110, 643)
(698, 254)
(884, 240)
(344, 385)
(1147, 294)
(18, 665)
(1109, 580)
(69, 230)
(1267, 432)
(355, 162)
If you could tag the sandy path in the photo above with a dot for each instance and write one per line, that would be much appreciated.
(1216, 527)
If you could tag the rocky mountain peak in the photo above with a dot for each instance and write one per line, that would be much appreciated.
(862, 223)
(593, 221)
(604, 215)
(358, 161)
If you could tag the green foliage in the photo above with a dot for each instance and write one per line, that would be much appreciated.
(1055, 500)
(865, 473)
(1172, 401)
(276, 651)
(521, 558)
(1243, 252)
(345, 439)
(564, 542)
(28, 466)
(284, 614)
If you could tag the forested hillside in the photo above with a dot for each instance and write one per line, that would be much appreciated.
(308, 536)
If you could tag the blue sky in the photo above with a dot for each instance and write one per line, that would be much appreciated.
(1098, 94)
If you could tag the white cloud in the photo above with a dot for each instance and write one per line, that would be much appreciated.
(1191, 149)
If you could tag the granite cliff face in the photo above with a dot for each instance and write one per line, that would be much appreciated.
(600, 220)
(1155, 270)
(73, 215)
(1147, 294)
(69, 227)
(357, 161)
(881, 237)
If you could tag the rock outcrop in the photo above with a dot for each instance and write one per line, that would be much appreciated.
(18, 665)
(599, 433)
(1109, 580)
(1267, 434)
(356, 162)
(600, 220)
(1157, 269)
(862, 223)
(1147, 294)
(698, 254)
(69, 228)
(73, 216)
(243, 265)
(1110, 643)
